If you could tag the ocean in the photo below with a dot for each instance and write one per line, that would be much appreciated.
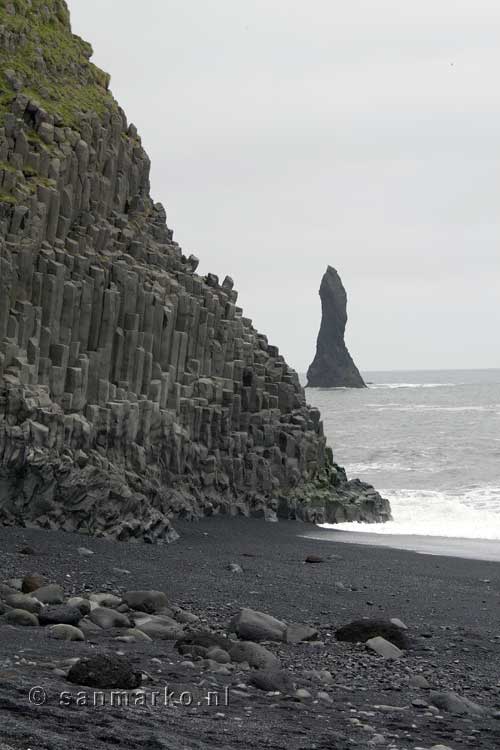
(429, 441)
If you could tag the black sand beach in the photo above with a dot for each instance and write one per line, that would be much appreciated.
(450, 606)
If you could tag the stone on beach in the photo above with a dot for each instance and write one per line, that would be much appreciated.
(105, 671)
(61, 614)
(384, 648)
(108, 618)
(360, 631)
(19, 617)
(24, 601)
(295, 633)
(146, 601)
(49, 594)
(256, 655)
(64, 632)
(251, 625)
(272, 679)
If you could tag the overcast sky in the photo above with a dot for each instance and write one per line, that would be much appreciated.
(288, 135)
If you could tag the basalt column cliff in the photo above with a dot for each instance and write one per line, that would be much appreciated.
(132, 390)
(333, 366)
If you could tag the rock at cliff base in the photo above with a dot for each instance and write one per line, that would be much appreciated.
(333, 366)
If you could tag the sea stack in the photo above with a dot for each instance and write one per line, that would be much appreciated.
(132, 389)
(333, 366)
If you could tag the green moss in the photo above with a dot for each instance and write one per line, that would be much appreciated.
(7, 167)
(4, 198)
(51, 62)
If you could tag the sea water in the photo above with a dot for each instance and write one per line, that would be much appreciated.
(429, 442)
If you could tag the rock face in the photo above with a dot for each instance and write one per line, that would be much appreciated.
(132, 389)
(333, 366)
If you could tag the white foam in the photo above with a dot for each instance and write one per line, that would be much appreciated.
(375, 386)
(356, 469)
(472, 514)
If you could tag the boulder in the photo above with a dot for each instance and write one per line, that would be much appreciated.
(65, 633)
(256, 655)
(146, 601)
(50, 594)
(219, 655)
(360, 631)
(272, 680)
(60, 614)
(384, 648)
(456, 704)
(80, 603)
(24, 601)
(251, 625)
(19, 617)
(159, 628)
(107, 618)
(105, 600)
(105, 671)
(295, 633)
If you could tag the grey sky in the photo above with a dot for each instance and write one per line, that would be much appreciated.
(288, 135)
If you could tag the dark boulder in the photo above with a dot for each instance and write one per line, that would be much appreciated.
(105, 671)
(60, 615)
(360, 631)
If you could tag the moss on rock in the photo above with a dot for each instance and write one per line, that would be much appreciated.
(41, 58)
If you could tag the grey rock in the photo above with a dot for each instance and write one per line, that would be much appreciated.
(219, 655)
(60, 615)
(80, 603)
(457, 704)
(419, 681)
(106, 600)
(146, 601)
(272, 680)
(49, 594)
(384, 648)
(63, 632)
(251, 625)
(360, 631)
(159, 627)
(107, 618)
(256, 655)
(295, 633)
(19, 617)
(24, 601)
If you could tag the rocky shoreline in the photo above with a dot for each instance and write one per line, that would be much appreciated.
(247, 621)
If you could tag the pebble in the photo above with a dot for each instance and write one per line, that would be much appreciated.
(85, 552)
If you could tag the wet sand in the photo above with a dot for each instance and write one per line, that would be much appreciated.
(470, 549)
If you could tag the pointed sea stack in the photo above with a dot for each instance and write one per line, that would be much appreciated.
(333, 366)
